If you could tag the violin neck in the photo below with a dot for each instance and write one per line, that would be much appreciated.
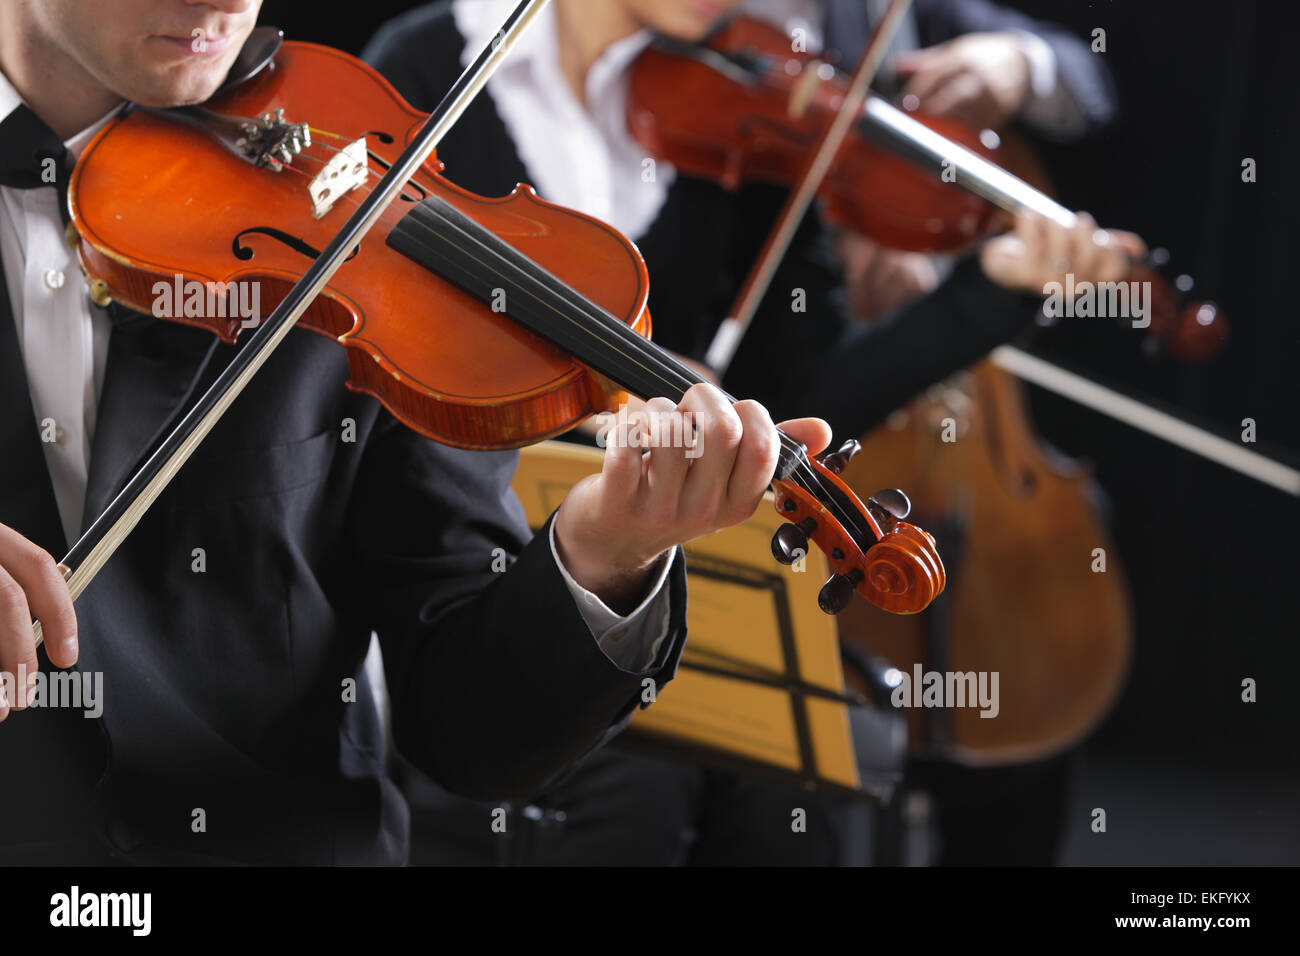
(894, 130)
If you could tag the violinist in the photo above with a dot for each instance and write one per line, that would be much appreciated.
(228, 632)
(555, 117)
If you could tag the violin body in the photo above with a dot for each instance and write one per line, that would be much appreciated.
(153, 200)
(766, 130)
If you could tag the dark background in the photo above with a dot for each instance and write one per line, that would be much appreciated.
(1187, 770)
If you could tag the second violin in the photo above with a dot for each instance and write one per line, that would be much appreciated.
(926, 184)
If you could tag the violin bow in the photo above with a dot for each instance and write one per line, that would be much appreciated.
(733, 328)
(119, 519)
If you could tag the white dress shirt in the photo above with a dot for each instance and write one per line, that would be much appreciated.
(63, 339)
(579, 156)
(64, 342)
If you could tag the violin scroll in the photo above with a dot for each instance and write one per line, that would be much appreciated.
(893, 564)
(904, 571)
(1188, 330)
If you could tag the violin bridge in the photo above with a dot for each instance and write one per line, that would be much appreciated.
(345, 172)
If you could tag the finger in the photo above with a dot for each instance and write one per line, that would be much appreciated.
(922, 276)
(663, 435)
(622, 469)
(1129, 242)
(813, 432)
(18, 663)
(1005, 259)
(1087, 255)
(1057, 249)
(909, 62)
(755, 461)
(961, 96)
(926, 82)
(1019, 258)
(38, 574)
(719, 434)
(1106, 261)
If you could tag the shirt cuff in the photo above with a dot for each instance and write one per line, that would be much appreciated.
(1042, 63)
(1049, 107)
(631, 642)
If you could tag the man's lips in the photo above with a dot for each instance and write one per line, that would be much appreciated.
(198, 43)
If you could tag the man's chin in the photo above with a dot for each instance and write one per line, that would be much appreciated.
(691, 29)
(181, 87)
(180, 83)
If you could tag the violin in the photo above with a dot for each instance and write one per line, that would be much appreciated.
(911, 182)
(482, 323)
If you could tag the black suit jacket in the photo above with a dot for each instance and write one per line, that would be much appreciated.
(224, 689)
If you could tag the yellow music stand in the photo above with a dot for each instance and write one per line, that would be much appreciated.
(760, 688)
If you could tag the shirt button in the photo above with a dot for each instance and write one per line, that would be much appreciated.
(54, 278)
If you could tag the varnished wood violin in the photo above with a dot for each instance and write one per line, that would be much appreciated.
(483, 323)
(921, 183)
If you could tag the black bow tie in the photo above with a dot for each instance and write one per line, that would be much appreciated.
(31, 154)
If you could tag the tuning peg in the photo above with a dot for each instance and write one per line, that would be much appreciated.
(837, 593)
(893, 501)
(790, 543)
(837, 461)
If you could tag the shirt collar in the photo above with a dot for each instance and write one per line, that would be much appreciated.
(9, 98)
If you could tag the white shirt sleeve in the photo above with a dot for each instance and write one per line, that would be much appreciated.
(632, 642)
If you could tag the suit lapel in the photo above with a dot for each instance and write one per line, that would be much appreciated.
(27, 502)
(153, 371)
